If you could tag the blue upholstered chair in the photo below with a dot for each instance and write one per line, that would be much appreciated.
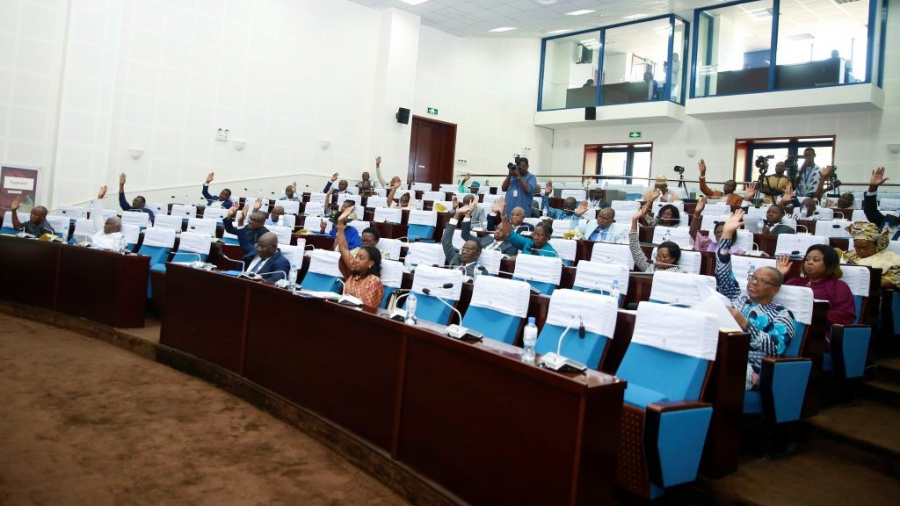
(391, 279)
(664, 424)
(420, 226)
(598, 277)
(542, 273)
(569, 309)
(680, 289)
(323, 273)
(498, 307)
(429, 306)
(847, 358)
(157, 244)
(192, 247)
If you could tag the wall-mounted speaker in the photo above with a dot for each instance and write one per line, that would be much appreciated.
(590, 113)
(403, 115)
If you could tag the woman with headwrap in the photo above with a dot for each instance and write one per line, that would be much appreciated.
(870, 248)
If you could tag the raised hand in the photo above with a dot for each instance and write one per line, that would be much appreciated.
(346, 214)
(827, 171)
(294, 186)
(655, 194)
(466, 177)
(322, 226)
(334, 177)
(231, 212)
(15, 203)
(733, 223)
(122, 179)
(788, 193)
(783, 264)
(548, 189)
(396, 183)
(877, 179)
(210, 177)
(468, 209)
(701, 204)
(582, 208)
(256, 205)
(102, 192)
(455, 202)
(497, 206)
(377, 161)
(702, 167)
(750, 192)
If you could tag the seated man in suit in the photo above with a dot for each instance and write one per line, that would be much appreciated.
(37, 222)
(267, 259)
(477, 214)
(495, 241)
(138, 202)
(290, 193)
(341, 188)
(249, 235)
(570, 209)
(603, 230)
(516, 218)
(275, 215)
(466, 259)
(223, 200)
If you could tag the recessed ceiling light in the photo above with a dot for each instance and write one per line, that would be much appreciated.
(503, 29)
(554, 32)
(413, 2)
(579, 13)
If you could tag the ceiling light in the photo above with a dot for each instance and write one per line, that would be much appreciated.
(635, 16)
(554, 32)
(579, 13)
(503, 29)
(413, 2)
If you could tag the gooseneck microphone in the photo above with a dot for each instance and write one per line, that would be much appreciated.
(455, 331)
(556, 361)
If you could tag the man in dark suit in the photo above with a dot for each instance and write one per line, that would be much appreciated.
(495, 241)
(267, 259)
(249, 235)
(466, 258)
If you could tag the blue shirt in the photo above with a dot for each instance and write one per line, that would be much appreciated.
(526, 246)
(352, 235)
(123, 203)
(556, 214)
(211, 199)
(516, 196)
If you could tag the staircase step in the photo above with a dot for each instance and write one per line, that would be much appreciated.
(801, 479)
(867, 434)
(882, 392)
(888, 370)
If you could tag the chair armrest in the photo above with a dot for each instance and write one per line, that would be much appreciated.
(666, 406)
(782, 387)
(674, 436)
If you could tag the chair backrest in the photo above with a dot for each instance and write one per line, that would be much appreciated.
(889, 204)
(560, 227)
(490, 198)
(569, 308)
(599, 277)
(157, 244)
(163, 221)
(669, 354)
(376, 201)
(679, 235)
(457, 240)
(799, 300)
(541, 272)
(249, 202)
(157, 208)
(433, 279)
(60, 225)
(314, 208)
(391, 273)
(201, 226)
(421, 224)
(680, 289)
(359, 225)
(857, 278)
(612, 253)
(390, 248)
(433, 196)
(799, 243)
(290, 206)
(317, 197)
(690, 261)
(678, 204)
(741, 265)
(84, 230)
(343, 197)
(442, 206)
(138, 218)
(422, 253)
(215, 213)
(625, 205)
(421, 187)
(491, 260)
(497, 308)
(449, 188)
(565, 248)
(193, 242)
(824, 213)
(710, 220)
(353, 190)
(579, 195)
(323, 271)
(832, 228)
(132, 234)
(71, 212)
(283, 233)
(294, 254)
(755, 213)
(290, 220)
(859, 215)
(716, 209)
(184, 211)
(389, 215)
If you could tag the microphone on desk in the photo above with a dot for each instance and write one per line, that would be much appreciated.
(264, 274)
(243, 265)
(557, 362)
(199, 264)
(455, 331)
(804, 228)
(398, 314)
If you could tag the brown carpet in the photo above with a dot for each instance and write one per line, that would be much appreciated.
(83, 422)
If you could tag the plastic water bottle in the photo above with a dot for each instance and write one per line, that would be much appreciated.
(120, 244)
(292, 275)
(407, 261)
(802, 212)
(529, 338)
(614, 290)
(477, 270)
(667, 236)
(281, 221)
(411, 308)
(670, 198)
(761, 224)
(750, 271)
(187, 200)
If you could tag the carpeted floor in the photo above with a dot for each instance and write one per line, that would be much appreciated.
(83, 422)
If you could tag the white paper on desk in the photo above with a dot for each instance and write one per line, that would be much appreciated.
(717, 304)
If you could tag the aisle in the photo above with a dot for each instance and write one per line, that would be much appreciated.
(83, 422)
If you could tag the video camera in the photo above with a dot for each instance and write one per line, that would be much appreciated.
(679, 169)
(513, 166)
(762, 163)
(790, 163)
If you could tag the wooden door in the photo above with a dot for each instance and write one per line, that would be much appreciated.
(432, 149)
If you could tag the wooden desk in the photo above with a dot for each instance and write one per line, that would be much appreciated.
(102, 286)
(443, 408)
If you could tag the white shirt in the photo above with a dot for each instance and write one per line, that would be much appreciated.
(107, 241)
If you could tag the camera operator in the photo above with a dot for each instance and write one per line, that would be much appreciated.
(519, 185)
(734, 200)
(773, 186)
(809, 175)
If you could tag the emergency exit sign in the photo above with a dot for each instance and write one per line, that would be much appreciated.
(432, 110)
(634, 135)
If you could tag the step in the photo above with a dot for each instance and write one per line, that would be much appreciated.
(801, 479)
(867, 434)
(882, 392)
(888, 370)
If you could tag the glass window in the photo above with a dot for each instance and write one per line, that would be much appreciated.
(821, 42)
(679, 49)
(734, 49)
(570, 71)
(618, 160)
(635, 62)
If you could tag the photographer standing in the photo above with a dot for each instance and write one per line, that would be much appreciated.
(773, 186)
(519, 185)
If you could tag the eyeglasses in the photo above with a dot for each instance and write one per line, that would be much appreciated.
(758, 280)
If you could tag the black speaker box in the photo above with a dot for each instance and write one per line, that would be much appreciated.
(403, 115)
(590, 113)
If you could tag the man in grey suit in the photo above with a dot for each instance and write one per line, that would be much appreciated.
(466, 258)
(496, 241)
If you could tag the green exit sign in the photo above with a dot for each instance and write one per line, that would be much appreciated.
(432, 110)
(634, 135)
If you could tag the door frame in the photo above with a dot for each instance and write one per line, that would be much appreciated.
(444, 172)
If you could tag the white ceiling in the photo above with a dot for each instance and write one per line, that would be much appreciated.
(532, 18)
